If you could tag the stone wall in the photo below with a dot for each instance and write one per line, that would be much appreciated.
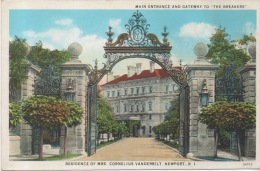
(248, 74)
(27, 90)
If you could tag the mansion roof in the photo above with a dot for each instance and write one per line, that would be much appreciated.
(158, 73)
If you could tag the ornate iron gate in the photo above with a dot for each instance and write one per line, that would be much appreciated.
(92, 120)
(136, 43)
(230, 87)
(184, 121)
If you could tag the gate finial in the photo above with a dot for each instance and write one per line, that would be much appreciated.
(110, 34)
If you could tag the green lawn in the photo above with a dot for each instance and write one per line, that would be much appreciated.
(103, 144)
(171, 144)
(60, 157)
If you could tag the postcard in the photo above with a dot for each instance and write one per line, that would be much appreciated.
(115, 85)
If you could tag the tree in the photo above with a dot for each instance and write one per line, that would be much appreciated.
(105, 117)
(174, 110)
(18, 69)
(15, 114)
(41, 56)
(169, 127)
(231, 116)
(42, 112)
(223, 51)
(246, 39)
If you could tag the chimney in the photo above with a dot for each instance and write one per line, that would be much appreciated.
(110, 76)
(131, 70)
(151, 66)
(138, 68)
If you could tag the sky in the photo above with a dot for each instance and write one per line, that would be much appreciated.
(57, 29)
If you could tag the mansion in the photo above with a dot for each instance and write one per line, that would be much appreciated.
(143, 95)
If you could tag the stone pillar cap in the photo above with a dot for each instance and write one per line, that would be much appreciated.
(75, 49)
(252, 52)
(201, 50)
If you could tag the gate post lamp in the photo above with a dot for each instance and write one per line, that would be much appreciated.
(70, 92)
(204, 94)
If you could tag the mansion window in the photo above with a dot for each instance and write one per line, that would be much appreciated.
(166, 88)
(150, 129)
(175, 87)
(143, 90)
(118, 93)
(113, 93)
(108, 94)
(150, 117)
(125, 107)
(132, 90)
(126, 91)
(150, 106)
(137, 108)
(150, 89)
(132, 108)
(117, 108)
(166, 106)
(143, 107)
(137, 90)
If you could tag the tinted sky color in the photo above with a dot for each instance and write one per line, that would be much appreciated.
(58, 28)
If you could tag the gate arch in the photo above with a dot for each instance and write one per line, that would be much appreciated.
(136, 43)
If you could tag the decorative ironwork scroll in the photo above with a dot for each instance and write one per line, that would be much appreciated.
(48, 83)
(138, 43)
(137, 34)
(230, 85)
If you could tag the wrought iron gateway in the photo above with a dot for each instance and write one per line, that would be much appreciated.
(137, 42)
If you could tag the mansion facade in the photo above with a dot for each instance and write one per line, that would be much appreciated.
(143, 95)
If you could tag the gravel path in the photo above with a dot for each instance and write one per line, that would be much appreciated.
(135, 149)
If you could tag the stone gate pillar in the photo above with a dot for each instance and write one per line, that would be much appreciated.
(248, 74)
(27, 90)
(201, 79)
(74, 87)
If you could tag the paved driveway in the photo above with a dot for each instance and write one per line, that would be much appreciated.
(135, 149)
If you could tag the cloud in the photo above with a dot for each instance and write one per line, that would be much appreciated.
(61, 38)
(116, 26)
(64, 22)
(197, 30)
(249, 28)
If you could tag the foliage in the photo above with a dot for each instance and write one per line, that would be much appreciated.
(224, 138)
(168, 127)
(74, 117)
(15, 114)
(44, 111)
(41, 56)
(171, 144)
(246, 39)
(61, 157)
(174, 110)
(105, 116)
(231, 116)
(106, 124)
(18, 49)
(223, 51)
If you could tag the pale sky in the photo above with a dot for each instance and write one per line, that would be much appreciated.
(57, 29)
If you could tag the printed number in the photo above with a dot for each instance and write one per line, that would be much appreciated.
(247, 164)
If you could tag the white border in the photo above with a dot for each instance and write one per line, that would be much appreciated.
(103, 4)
